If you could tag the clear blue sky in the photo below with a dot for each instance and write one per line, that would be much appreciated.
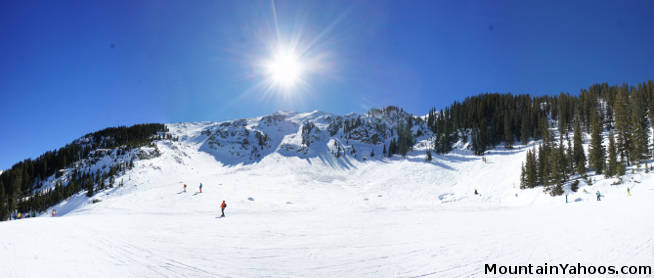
(71, 67)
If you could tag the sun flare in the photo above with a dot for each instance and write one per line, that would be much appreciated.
(285, 69)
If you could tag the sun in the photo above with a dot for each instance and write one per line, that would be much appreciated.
(288, 61)
(285, 69)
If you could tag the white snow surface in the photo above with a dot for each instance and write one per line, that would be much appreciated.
(295, 212)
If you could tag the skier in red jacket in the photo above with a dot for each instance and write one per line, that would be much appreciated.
(222, 208)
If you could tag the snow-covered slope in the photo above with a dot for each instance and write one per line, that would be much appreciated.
(295, 208)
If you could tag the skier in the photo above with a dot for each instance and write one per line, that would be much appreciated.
(628, 191)
(566, 198)
(598, 195)
(222, 208)
(476, 193)
(184, 187)
(54, 213)
(200, 187)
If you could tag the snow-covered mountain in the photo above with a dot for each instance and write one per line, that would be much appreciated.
(311, 194)
(247, 141)
(305, 135)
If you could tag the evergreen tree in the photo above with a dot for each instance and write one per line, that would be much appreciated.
(89, 191)
(596, 152)
(621, 169)
(12, 201)
(639, 128)
(4, 212)
(542, 163)
(479, 138)
(523, 176)
(392, 148)
(545, 132)
(524, 131)
(563, 161)
(622, 122)
(531, 169)
(578, 151)
(528, 176)
(569, 156)
(404, 141)
(445, 134)
(478, 147)
(564, 111)
(555, 167)
(508, 134)
(612, 168)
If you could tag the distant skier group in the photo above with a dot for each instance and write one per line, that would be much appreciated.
(598, 194)
(199, 187)
(223, 205)
(15, 215)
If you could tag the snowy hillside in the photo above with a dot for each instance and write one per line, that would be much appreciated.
(311, 195)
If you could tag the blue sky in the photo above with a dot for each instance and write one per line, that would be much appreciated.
(72, 67)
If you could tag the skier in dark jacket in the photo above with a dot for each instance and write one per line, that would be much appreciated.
(200, 187)
(222, 208)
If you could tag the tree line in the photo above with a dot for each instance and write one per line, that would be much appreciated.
(621, 115)
(492, 118)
